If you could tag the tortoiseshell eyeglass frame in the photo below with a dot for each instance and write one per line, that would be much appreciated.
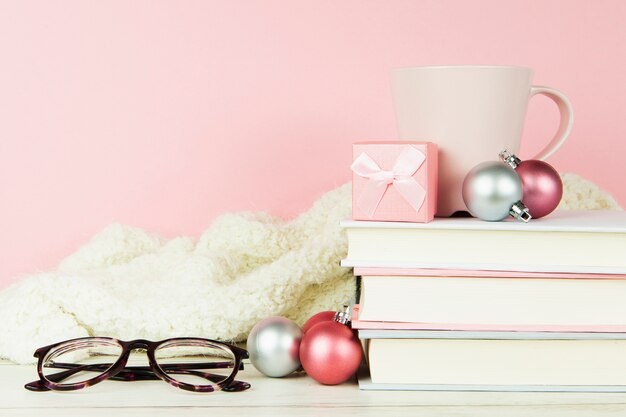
(118, 371)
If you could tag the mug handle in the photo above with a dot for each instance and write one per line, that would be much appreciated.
(567, 119)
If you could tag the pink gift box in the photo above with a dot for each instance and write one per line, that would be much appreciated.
(394, 181)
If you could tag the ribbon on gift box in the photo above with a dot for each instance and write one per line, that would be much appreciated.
(400, 176)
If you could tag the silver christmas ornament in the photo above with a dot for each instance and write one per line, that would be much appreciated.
(493, 191)
(274, 346)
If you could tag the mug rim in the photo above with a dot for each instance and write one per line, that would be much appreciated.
(463, 66)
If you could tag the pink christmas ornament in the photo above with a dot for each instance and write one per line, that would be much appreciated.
(330, 352)
(541, 184)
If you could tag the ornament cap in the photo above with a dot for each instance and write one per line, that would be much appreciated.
(520, 212)
(510, 159)
(344, 316)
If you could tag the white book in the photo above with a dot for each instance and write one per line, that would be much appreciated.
(575, 303)
(565, 241)
(495, 361)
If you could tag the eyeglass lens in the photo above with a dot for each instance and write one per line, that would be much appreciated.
(195, 361)
(79, 361)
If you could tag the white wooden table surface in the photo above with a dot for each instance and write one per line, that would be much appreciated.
(296, 395)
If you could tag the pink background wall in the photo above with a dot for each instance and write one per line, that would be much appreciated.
(164, 114)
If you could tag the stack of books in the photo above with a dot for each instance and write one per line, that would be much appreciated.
(463, 304)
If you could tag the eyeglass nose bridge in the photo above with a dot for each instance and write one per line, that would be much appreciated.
(139, 344)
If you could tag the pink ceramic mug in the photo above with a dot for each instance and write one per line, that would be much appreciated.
(472, 113)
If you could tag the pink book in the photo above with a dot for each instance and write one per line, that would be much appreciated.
(364, 271)
(387, 325)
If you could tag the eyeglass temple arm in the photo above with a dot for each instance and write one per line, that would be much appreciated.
(59, 376)
(232, 387)
(136, 373)
(166, 367)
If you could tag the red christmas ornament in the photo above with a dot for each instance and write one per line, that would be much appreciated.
(318, 318)
(330, 352)
(541, 184)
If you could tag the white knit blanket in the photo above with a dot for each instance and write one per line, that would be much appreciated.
(127, 283)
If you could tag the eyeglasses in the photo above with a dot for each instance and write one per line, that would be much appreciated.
(181, 362)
